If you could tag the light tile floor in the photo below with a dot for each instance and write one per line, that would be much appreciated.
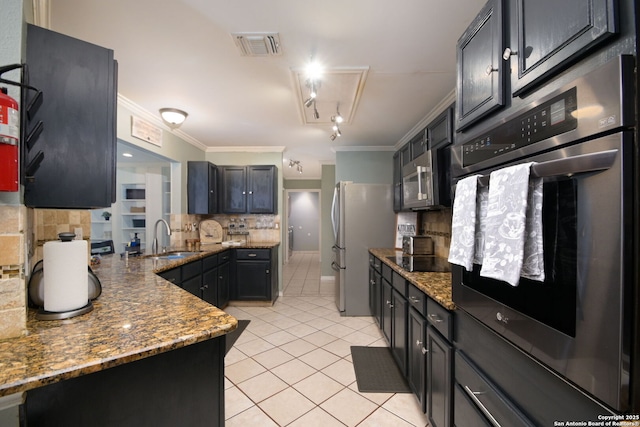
(292, 365)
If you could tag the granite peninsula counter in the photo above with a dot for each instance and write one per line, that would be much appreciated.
(136, 324)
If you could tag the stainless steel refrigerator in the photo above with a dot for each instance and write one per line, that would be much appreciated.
(363, 218)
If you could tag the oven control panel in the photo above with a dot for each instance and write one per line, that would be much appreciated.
(541, 122)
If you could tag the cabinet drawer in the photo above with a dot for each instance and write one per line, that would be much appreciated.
(440, 318)
(386, 272)
(485, 397)
(191, 270)
(224, 257)
(263, 254)
(210, 262)
(172, 275)
(400, 284)
(375, 263)
(418, 300)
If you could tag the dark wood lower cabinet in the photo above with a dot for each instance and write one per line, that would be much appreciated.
(439, 379)
(413, 327)
(375, 284)
(400, 310)
(256, 275)
(182, 387)
(224, 277)
(253, 280)
(417, 365)
(386, 310)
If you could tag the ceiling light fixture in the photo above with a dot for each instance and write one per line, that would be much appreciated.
(297, 164)
(313, 86)
(173, 117)
(316, 115)
(336, 120)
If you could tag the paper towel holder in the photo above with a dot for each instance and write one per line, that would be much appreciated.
(54, 315)
(42, 314)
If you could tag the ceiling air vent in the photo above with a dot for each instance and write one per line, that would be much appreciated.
(257, 44)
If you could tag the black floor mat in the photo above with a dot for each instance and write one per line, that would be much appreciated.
(377, 371)
(233, 336)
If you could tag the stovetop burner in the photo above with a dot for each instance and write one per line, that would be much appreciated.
(421, 263)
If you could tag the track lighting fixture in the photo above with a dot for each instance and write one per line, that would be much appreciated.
(313, 93)
(316, 115)
(297, 164)
(336, 120)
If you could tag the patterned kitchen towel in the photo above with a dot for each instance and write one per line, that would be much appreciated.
(463, 223)
(481, 223)
(514, 216)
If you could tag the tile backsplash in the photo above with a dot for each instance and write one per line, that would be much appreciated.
(13, 299)
(261, 228)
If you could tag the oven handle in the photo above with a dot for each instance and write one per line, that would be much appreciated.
(568, 166)
(473, 395)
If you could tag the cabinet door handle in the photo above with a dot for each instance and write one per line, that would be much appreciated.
(472, 394)
(268, 271)
(220, 277)
(414, 300)
(252, 255)
(424, 350)
(418, 343)
(508, 53)
(490, 69)
(435, 318)
(244, 192)
(250, 192)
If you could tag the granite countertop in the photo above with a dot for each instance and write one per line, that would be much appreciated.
(138, 315)
(435, 285)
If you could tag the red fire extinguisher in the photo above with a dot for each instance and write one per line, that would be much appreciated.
(9, 135)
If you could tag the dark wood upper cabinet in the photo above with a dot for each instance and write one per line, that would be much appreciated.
(248, 189)
(71, 163)
(202, 187)
(233, 189)
(480, 67)
(262, 184)
(547, 35)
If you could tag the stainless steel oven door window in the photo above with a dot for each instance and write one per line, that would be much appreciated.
(578, 321)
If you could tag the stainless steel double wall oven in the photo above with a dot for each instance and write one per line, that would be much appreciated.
(580, 321)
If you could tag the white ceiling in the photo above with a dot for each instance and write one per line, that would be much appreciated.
(180, 54)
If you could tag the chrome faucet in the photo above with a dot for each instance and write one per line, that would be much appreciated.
(154, 245)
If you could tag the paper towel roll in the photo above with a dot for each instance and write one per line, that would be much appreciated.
(66, 278)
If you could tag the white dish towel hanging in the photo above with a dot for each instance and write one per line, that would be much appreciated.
(463, 223)
(513, 244)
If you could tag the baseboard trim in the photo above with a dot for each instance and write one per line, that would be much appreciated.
(327, 278)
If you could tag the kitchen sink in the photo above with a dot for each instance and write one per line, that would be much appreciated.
(172, 255)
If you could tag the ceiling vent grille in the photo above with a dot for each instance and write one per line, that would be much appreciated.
(257, 44)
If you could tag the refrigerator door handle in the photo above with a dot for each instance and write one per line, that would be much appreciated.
(334, 214)
(336, 267)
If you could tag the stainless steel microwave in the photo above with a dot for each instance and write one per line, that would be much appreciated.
(417, 183)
